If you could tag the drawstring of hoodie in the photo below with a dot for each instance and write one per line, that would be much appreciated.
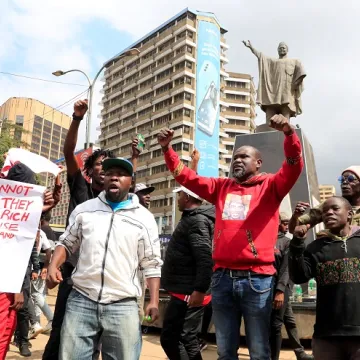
(327, 233)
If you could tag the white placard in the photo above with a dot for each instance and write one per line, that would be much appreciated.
(20, 210)
(38, 164)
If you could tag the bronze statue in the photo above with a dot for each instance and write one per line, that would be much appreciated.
(280, 83)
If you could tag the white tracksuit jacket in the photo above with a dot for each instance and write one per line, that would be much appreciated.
(114, 246)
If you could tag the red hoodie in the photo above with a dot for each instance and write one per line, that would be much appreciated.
(247, 214)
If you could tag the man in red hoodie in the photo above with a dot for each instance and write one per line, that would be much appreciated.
(246, 227)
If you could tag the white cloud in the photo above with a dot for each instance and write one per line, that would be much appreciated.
(320, 34)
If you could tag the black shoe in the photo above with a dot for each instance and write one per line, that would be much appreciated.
(304, 356)
(24, 350)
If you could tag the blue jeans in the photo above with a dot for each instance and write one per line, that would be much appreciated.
(86, 321)
(249, 297)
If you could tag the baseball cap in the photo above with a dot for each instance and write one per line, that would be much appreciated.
(187, 191)
(143, 188)
(118, 162)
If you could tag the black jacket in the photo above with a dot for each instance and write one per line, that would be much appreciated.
(281, 262)
(336, 266)
(188, 262)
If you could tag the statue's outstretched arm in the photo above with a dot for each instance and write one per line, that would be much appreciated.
(253, 50)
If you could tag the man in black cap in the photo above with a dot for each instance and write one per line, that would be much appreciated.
(105, 281)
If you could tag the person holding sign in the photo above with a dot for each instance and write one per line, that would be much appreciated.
(106, 280)
(21, 204)
(246, 228)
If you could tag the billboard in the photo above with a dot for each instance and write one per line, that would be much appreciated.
(207, 98)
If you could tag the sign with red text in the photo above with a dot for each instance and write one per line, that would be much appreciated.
(20, 209)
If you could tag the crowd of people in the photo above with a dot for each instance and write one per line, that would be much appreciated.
(230, 258)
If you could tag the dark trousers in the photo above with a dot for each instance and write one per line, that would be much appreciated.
(278, 318)
(51, 351)
(180, 329)
(336, 348)
(206, 321)
(23, 315)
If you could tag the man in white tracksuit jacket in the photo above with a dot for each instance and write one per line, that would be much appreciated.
(116, 237)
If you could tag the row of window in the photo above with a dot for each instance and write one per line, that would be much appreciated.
(143, 84)
(134, 103)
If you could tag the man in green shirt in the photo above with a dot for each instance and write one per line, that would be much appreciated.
(350, 190)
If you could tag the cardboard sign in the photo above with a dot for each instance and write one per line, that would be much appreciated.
(38, 164)
(20, 209)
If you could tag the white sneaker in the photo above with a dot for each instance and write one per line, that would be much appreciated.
(48, 327)
(35, 330)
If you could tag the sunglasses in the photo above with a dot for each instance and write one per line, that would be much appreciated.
(349, 179)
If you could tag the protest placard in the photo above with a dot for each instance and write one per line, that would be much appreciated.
(38, 164)
(20, 209)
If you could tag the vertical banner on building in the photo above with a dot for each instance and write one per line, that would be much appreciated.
(207, 98)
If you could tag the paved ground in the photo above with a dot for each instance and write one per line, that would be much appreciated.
(151, 347)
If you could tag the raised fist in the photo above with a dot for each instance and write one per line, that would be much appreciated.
(301, 231)
(195, 155)
(280, 122)
(300, 208)
(80, 108)
(165, 136)
(135, 152)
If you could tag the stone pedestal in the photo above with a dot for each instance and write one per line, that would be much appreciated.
(270, 144)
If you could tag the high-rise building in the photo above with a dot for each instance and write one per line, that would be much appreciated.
(45, 127)
(326, 191)
(157, 89)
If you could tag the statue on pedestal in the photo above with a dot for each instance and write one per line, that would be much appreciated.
(280, 84)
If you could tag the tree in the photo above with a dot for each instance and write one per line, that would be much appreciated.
(10, 137)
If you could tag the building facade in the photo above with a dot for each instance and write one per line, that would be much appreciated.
(326, 191)
(46, 127)
(157, 89)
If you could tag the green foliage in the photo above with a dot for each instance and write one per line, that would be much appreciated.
(10, 137)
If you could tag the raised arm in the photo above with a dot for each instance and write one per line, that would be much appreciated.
(302, 267)
(206, 188)
(195, 157)
(291, 168)
(80, 108)
(297, 215)
(134, 160)
(253, 50)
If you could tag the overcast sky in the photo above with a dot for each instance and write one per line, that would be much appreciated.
(38, 37)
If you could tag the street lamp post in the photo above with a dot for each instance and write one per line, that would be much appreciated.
(126, 53)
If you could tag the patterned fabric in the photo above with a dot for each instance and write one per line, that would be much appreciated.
(293, 161)
(178, 169)
(340, 271)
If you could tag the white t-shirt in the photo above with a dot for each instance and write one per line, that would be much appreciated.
(44, 243)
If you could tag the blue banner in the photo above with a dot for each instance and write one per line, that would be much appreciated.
(207, 98)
